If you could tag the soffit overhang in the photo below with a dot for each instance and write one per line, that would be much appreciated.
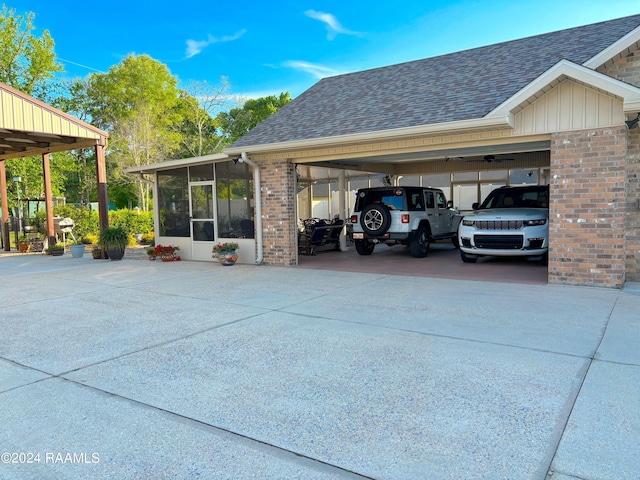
(467, 126)
(31, 127)
(177, 163)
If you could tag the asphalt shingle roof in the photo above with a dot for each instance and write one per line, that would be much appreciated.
(458, 86)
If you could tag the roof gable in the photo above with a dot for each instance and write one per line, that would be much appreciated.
(450, 88)
(565, 69)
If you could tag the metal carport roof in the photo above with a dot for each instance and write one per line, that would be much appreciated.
(30, 127)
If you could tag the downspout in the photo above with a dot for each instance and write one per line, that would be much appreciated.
(258, 188)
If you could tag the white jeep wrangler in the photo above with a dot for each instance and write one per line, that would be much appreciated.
(413, 216)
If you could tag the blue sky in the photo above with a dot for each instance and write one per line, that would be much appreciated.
(267, 47)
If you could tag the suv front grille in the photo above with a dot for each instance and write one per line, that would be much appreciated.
(501, 242)
(498, 224)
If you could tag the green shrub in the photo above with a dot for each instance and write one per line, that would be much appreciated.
(89, 239)
(131, 221)
(148, 238)
(86, 221)
(131, 240)
(114, 238)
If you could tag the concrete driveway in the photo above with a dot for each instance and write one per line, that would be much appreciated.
(138, 369)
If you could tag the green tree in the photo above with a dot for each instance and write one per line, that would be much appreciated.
(27, 62)
(80, 185)
(138, 103)
(238, 121)
(136, 82)
(200, 102)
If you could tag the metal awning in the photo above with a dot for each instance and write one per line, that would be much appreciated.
(30, 127)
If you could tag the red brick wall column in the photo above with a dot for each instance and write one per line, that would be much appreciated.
(627, 69)
(279, 225)
(632, 223)
(587, 210)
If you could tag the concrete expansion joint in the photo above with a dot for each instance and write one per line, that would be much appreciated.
(297, 456)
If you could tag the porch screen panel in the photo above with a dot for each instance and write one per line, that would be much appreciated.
(235, 201)
(173, 203)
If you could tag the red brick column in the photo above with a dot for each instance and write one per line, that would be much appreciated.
(279, 225)
(587, 210)
(632, 222)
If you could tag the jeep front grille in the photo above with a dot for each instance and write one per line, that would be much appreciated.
(498, 224)
(499, 242)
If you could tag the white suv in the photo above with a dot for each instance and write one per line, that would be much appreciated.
(413, 216)
(512, 221)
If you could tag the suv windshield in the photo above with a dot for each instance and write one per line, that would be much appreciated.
(533, 197)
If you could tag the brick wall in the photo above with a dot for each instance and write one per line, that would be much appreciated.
(627, 69)
(279, 225)
(632, 213)
(588, 204)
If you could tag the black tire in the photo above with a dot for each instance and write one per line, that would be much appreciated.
(455, 241)
(375, 219)
(363, 247)
(420, 244)
(468, 258)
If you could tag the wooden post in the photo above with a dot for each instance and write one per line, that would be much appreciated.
(101, 179)
(5, 207)
(48, 199)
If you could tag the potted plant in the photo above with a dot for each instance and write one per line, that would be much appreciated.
(114, 240)
(96, 252)
(77, 250)
(225, 253)
(23, 244)
(55, 250)
(166, 253)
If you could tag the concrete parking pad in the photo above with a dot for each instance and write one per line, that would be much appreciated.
(354, 395)
(193, 370)
(82, 433)
(67, 333)
(14, 376)
(519, 315)
(621, 343)
(601, 440)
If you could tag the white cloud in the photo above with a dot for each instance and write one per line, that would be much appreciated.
(194, 47)
(333, 25)
(317, 71)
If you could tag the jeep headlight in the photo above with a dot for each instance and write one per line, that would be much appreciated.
(468, 223)
(533, 223)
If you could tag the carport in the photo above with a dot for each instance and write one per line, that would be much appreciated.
(29, 127)
(319, 194)
(560, 105)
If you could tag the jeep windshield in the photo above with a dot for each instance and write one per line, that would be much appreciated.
(534, 197)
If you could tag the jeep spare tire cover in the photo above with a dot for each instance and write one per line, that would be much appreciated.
(375, 219)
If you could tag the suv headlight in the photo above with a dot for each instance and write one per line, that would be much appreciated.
(533, 223)
(468, 223)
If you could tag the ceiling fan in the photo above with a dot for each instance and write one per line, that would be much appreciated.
(493, 159)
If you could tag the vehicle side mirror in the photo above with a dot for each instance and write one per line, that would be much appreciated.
(450, 204)
(475, 205)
